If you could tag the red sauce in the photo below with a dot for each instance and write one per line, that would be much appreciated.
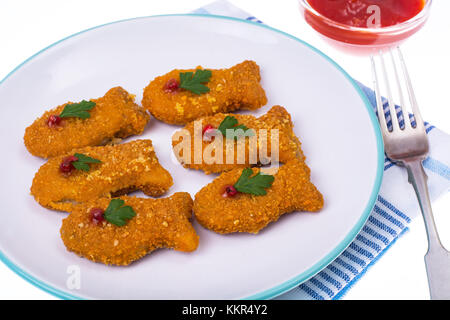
(345, 14)
(355, 12)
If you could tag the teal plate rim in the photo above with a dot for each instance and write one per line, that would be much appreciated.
(287, 285)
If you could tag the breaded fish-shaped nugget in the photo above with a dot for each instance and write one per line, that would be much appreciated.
(291, 191)
(289, 146)
(124, 168)
(230, 89)
(115, 115)
(159, 223)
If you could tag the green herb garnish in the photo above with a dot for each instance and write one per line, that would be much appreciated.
(194, 81)
(78, 110)
(83, 162)
(254, 185)
(231, 123)
(117, 213)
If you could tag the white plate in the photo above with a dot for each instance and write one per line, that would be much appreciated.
(331, 115)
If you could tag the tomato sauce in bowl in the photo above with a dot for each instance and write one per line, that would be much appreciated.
(366, 24)
(357, 13)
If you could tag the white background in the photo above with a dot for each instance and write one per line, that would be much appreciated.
(28, 26)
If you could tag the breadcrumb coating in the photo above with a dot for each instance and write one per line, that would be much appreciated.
(123, 168)
(115, 115)
(290, 191)
(289, 146)
(230, 89)
(159, 223)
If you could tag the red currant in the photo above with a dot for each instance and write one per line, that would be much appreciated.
(171, 86)
(97, 215)
(66, 165)
(229, 191)
(53, 121)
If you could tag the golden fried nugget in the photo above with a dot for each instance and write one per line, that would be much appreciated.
(159, 223)
(230, 89)
(115, 115)
(290, 191)
(123, 168)
(289, 146)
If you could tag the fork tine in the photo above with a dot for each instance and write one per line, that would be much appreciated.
(393, 112)
(405, 113)
(380, 110)
(412, 97)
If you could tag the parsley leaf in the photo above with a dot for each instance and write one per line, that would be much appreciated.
(83, 162)
(117, 213)
(254, 185)
(194, 81)
(231, 122)
(79, 110)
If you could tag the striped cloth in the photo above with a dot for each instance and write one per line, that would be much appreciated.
(396, 204)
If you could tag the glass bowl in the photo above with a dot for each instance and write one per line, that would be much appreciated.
(363, 40)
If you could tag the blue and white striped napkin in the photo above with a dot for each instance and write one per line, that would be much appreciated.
(395, 207)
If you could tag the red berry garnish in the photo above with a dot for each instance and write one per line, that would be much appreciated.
(97, 215)
(229, 191)
(206, 128)
(208, 132)
(66, 165)
(53, 121)
(171, 86)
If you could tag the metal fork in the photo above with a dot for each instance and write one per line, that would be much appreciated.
(408, 146)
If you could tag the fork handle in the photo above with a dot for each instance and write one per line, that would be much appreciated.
(418, 178)
(437, 258)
